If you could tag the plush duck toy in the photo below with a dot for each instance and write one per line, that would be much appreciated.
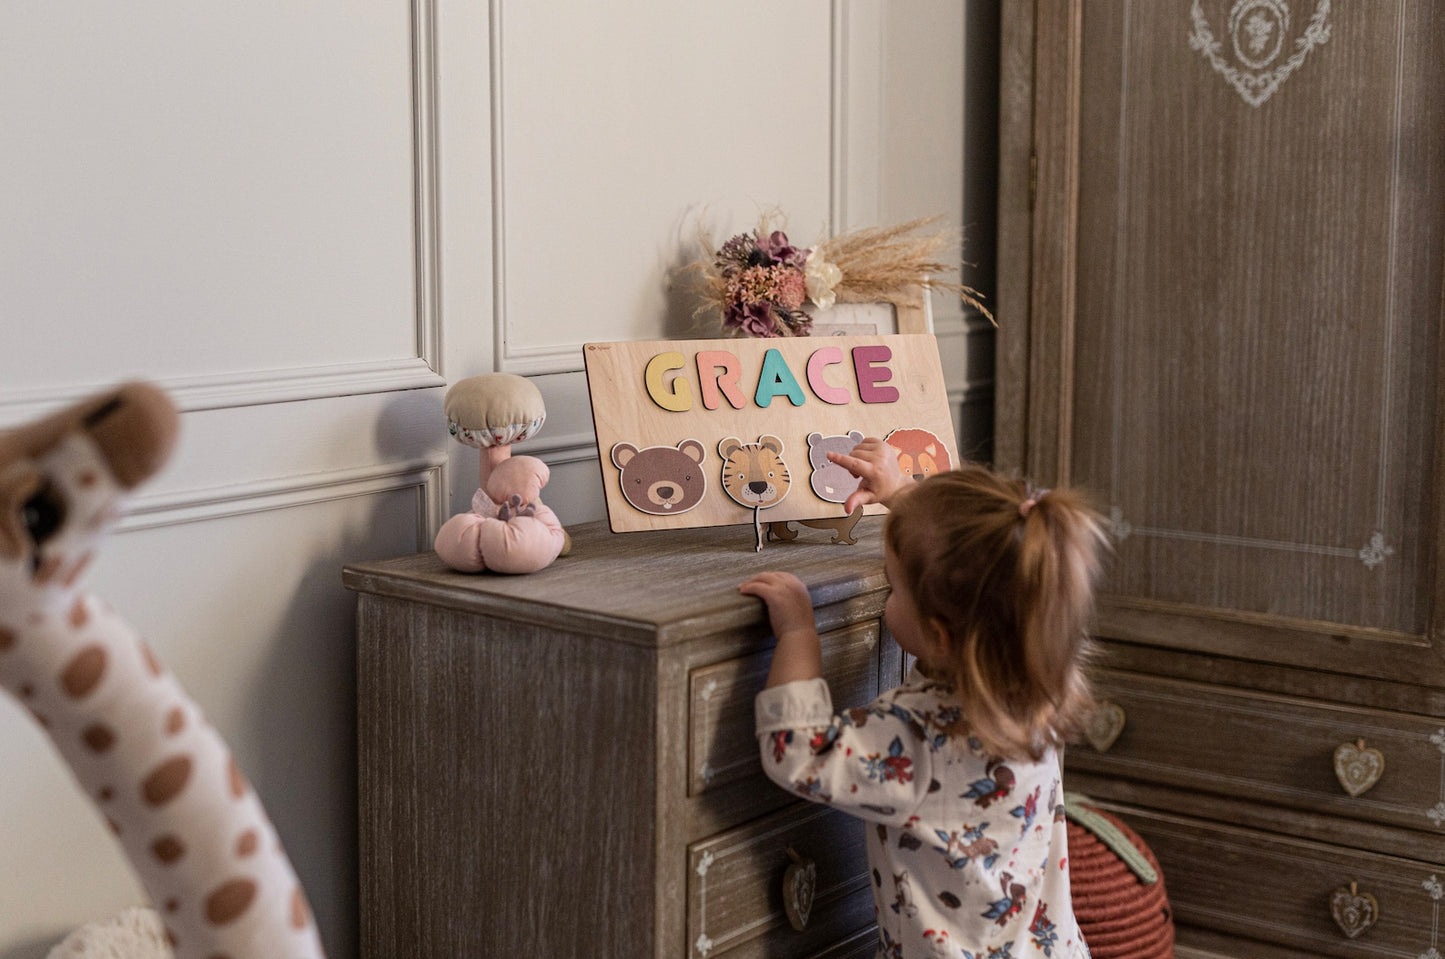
(139, 746)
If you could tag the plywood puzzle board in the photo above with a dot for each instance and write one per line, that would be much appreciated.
(697, 433)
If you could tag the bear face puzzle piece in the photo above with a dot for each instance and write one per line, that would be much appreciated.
(662, 480)
(754, 474)
(920, 452)
(831, 482)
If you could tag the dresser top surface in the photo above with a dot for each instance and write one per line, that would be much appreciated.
(653, 588)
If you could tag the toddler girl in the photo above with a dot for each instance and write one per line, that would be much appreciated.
(958, 768)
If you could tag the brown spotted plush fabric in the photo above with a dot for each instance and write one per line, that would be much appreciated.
(139, 747)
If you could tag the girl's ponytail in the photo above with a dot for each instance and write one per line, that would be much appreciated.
(1010, 574)
(1060, 559)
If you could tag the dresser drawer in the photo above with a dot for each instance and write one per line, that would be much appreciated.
(735, 885)
(1279, 890)
(1279, 749)
(722, 748)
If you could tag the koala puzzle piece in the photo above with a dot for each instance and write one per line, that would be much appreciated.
(140, 748)
(831, 482)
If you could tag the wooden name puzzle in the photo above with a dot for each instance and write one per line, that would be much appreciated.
(695, 433)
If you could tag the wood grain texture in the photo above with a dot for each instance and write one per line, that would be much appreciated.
(524, 746)
(623, 412)
(1264, 310)
(1055, 254)
(1014, 244)
(456, 748)
(1276, 889)
(735, 889)
(722, 748)
(1272, 749)
(1234, 317)
(1247, 420)
(651, 588)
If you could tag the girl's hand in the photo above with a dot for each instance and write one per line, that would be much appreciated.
(876, 464)
(790, 610)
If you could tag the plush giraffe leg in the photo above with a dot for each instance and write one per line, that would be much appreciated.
(195, 832)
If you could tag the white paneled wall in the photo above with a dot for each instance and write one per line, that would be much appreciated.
(305, 220)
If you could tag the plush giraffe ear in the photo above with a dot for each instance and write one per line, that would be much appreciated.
(135, 429)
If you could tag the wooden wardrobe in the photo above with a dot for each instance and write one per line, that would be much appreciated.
(1221, 245)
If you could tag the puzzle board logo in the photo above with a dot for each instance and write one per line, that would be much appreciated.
(1261, 51)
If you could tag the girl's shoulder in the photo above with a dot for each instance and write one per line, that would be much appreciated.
(930, 710)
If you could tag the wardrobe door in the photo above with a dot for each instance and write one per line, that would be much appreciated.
(1223, 314)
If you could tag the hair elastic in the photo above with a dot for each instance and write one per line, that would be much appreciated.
(1031, 502)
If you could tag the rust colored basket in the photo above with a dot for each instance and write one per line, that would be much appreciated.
(1121, 915)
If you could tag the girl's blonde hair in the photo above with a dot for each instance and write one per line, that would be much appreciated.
(1009, 574)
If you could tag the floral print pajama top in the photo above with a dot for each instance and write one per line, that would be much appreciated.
(969, 853)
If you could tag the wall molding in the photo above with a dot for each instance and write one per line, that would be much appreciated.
(512, 357)
(838, 119)
(284, 385)
(175, 508)
(426, 191)
(231, 390)
(569, 448)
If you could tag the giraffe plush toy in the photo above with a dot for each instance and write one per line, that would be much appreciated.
(164, 779)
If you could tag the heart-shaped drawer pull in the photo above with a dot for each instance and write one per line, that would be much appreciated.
(1105, 725)
(800, 881)
(1358, 768)
(1353, 911)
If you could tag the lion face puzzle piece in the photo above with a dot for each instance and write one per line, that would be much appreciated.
(662, 480)
(832, 483)
(920, 452)
(754, 474)
(140, 748)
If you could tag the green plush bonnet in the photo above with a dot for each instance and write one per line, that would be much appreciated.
(494, 409)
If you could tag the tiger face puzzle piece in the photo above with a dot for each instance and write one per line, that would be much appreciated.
(140, 748)
(754, 475)
(920, 452)
(662, 480)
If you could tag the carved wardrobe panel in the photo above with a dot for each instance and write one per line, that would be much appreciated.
(1221, 248)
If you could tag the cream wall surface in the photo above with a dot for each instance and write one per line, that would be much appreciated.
(305, 220)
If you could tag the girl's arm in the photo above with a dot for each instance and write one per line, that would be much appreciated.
(798, 654)
(879, 773)
(874, 762)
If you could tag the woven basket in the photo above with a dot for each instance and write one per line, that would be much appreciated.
(1120, 916)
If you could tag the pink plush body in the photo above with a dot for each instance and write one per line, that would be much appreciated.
(509, 530)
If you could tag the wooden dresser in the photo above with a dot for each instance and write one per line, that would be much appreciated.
(563, 764)
(1221, 275)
